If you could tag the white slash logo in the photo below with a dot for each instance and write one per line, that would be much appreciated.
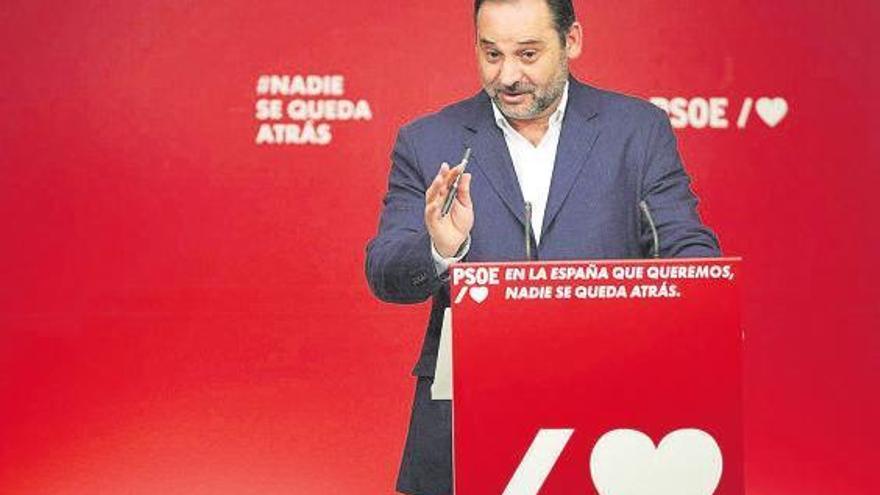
(538, 461)
(625, 462)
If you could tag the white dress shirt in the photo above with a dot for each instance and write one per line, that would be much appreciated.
(533, 165)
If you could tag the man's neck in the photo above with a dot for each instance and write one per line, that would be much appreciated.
(534, 129)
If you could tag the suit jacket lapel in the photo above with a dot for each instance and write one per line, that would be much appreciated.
(576, 139)
(491, 157)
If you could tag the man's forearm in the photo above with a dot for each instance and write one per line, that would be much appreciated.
(401, 269)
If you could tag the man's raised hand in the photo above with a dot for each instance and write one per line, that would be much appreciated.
(450, 232)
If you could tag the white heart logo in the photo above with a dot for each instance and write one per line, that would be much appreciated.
(771, 110)
(479, 294)
(686, 462)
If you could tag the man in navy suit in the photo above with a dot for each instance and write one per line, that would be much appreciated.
(583, 158)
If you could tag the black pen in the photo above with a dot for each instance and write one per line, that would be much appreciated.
(453, 191)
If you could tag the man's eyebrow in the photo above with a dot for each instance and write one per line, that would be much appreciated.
(527, 42)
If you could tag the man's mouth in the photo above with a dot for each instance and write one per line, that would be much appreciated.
(512, 98)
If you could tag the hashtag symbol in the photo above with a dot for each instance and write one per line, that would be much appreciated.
(263, 85)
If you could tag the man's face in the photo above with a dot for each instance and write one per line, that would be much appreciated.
(523, 63)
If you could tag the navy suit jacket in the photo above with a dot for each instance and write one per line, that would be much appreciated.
(614, 151)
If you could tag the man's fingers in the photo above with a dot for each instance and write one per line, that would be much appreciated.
(464, 191)
(437, 185)
(431, 211)
(443, 174)
(431, 193)
(435, 196)
(453, 173)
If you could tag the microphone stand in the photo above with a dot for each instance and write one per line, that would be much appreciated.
(528, 230)
(655, 250)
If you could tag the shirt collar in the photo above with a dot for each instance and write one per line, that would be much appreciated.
(555, 118)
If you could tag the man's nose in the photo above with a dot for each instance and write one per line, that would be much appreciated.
(511, 73)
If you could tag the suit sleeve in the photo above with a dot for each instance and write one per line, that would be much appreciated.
(673, 205)
(399, 265)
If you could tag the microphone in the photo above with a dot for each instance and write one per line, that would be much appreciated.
(528, 230)
(655, 250)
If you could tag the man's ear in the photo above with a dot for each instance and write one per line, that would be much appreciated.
(574, 41)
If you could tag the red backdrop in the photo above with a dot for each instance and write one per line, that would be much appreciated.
(183, 310)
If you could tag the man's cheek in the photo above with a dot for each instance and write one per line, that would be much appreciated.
(490, 74)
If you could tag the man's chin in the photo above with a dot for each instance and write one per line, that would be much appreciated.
(518, 112)
(513, 111)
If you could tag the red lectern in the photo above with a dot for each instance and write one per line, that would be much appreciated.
(606, 377)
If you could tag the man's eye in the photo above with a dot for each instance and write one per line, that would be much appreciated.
(491, 55)
(530, 55)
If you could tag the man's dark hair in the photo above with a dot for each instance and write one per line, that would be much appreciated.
(561, 10)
